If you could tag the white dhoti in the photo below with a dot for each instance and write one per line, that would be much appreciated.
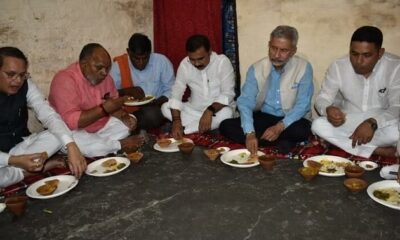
(191, 117)
(339, 136)
(35, 143)
(102, 142)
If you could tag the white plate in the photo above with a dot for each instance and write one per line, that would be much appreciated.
(223, 150)
(368, 165)
(138, 103)
(2, 207)
(340, 171)
(380, 185)
(95, 169)
(173, 147)
(67, 182)
(235, 155)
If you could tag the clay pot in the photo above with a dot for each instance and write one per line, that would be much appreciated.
(212, 154)
(267, 162)
(164, 143)
(186, 148)
(135, 157)
(355, 185)
(308, 173)
(16, 204)
(353, 171)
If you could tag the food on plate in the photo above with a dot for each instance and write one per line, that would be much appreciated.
(121, 165)
(244, 158)
(48, 187)
(164, 143)
(390, 195)
(329, 166)
(132, 99)
(314, 164)
(109, 163)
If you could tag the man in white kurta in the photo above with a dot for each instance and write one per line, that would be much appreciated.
(360, 98)
(210, 78)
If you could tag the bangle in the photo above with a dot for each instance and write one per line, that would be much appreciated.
(103, 110)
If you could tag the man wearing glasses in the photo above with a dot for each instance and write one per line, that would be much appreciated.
(275, 100)
(140, 72)
(22, 154)
(210, 78)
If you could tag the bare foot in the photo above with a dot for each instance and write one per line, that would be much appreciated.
(132, 143)
(54, 163)
(385, 151)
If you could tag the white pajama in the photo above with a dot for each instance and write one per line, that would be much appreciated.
(191, 117)
(35, 143)
(339, 136)
(104, 141)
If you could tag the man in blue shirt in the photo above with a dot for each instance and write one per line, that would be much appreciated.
(140, 72)
(275, 101)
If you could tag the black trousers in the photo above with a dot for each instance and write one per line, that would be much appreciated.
(149, 117)
(297, 132)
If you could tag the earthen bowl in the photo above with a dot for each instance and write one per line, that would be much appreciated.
(16, 204)
(354, 171)
(212, 154)
(164, 143)
(186, 147)
(267, 162)
(355, 185)
(308, 173)
(135, 157)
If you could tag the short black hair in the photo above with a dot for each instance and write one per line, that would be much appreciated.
(139, 44)
(88, 49)
(197, 41)
(11, 52)
(368, 34)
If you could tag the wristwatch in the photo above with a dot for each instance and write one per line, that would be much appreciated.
(212, 109)
(372, 123)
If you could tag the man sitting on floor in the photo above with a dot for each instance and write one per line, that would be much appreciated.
(359, 98)
(141, 72)
(210, 78)
(275, 101)
(22, 154)
(86, 98)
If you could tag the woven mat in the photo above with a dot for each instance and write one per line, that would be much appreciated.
(302, 151)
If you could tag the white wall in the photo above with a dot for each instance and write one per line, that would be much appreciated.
(325, 27)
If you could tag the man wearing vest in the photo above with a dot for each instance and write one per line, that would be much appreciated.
(366, 120)
(275, 101)
(140, 72)
(86, 98)
(210, 78)
(22, 154)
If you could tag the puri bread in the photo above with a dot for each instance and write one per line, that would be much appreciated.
(48, 187)
(109, 163)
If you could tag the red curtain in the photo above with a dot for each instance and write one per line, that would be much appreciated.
(176, 20)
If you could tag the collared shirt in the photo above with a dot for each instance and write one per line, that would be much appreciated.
(378, 94)
(272, 103)
(156, 79)
(71, 93)
(215, 83)
(47, 116)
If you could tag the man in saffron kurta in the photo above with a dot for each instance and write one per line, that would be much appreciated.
(141, 72)
(275, 100)
(86, 98)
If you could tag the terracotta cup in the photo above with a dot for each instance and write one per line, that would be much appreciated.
(16, 204)
(186, 147)
(267, 162)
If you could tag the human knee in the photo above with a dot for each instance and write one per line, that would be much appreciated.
(317, 125)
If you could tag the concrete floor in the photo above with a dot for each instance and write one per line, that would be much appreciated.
(171, 196)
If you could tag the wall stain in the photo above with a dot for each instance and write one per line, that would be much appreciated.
(370, 13)
(7, 33)
(136, 10)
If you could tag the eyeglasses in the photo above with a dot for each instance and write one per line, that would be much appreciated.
(14, 76)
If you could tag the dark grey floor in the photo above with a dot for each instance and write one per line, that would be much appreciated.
(170, 196)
